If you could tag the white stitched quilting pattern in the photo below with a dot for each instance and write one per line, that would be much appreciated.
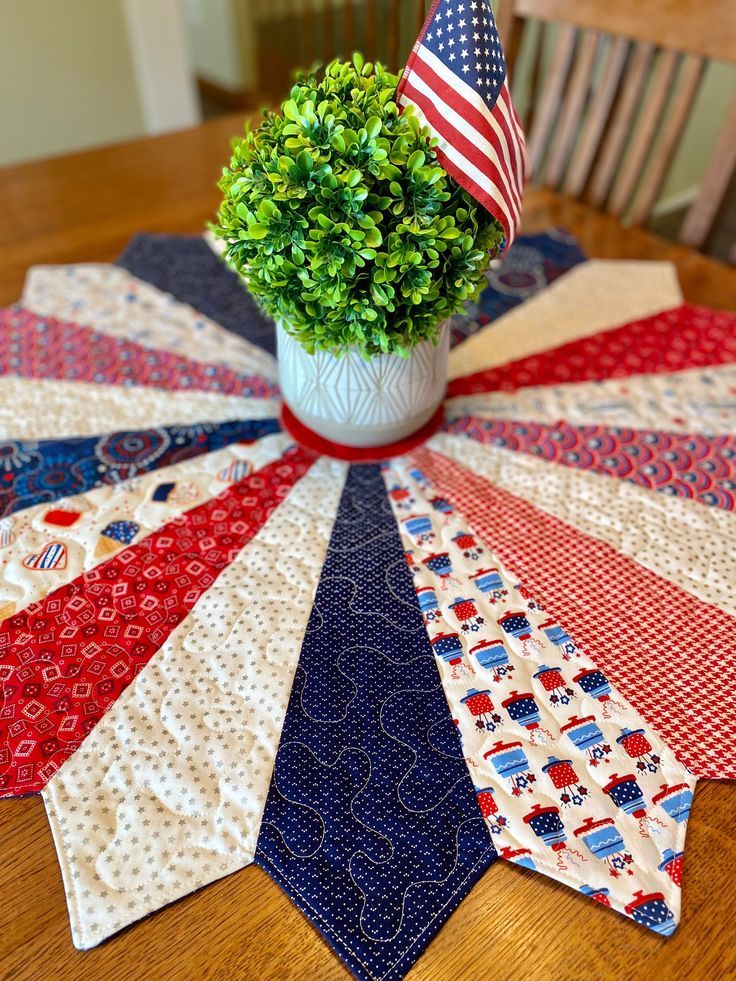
(166, 794)
(97, 524)
(43, 409)
(684, 541)
(112, 301)
(593, 296)
(699, 400)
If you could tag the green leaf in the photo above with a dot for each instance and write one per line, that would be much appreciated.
(373, 237)
(305, 161)
(290, 109)
(373, 127)
(416, 160)
(258, 231)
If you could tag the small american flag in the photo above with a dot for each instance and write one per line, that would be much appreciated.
(456, 81)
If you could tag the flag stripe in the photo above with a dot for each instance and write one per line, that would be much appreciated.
(468, 123)
(467, 101)
(455, 79)
(466, 173)
(472, 165)
(514, 123)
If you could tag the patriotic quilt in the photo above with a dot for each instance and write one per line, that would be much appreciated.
(374, 679)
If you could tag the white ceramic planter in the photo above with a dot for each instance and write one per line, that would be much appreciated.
(363, 403)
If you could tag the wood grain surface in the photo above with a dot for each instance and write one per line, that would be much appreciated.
(515, 924)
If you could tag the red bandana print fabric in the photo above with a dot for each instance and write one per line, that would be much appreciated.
(686, 464)
(43, 347)
(686, 337)
(668, 651)
(64, 660)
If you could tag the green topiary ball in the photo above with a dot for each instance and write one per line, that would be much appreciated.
(342, 222)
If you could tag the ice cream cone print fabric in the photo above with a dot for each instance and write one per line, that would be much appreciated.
(570, 779)
(90, 528)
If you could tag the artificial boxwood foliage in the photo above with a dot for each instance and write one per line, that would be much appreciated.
(342, 222)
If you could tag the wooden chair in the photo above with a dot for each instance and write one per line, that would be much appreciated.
(296, 33)
(608, 113)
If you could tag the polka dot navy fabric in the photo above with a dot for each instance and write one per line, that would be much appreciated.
(371, 823)
(189, 270)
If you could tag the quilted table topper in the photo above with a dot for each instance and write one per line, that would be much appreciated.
(219, 646)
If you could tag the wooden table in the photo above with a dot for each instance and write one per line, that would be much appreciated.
(515, 924)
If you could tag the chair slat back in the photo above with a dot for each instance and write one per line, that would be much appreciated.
(701, 27)
(614, 94)
(296, 33)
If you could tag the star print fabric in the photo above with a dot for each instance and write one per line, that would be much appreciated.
(166, 793)
(371, 824)
(691, 401)
(119, 304)
(522, 692)
(188, 269)
(51, 409)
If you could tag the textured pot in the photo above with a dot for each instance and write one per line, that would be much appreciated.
(360, 403)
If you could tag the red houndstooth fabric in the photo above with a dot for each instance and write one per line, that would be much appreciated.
(671, 653)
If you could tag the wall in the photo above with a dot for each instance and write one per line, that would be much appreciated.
(213, 41)
(67, 79)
